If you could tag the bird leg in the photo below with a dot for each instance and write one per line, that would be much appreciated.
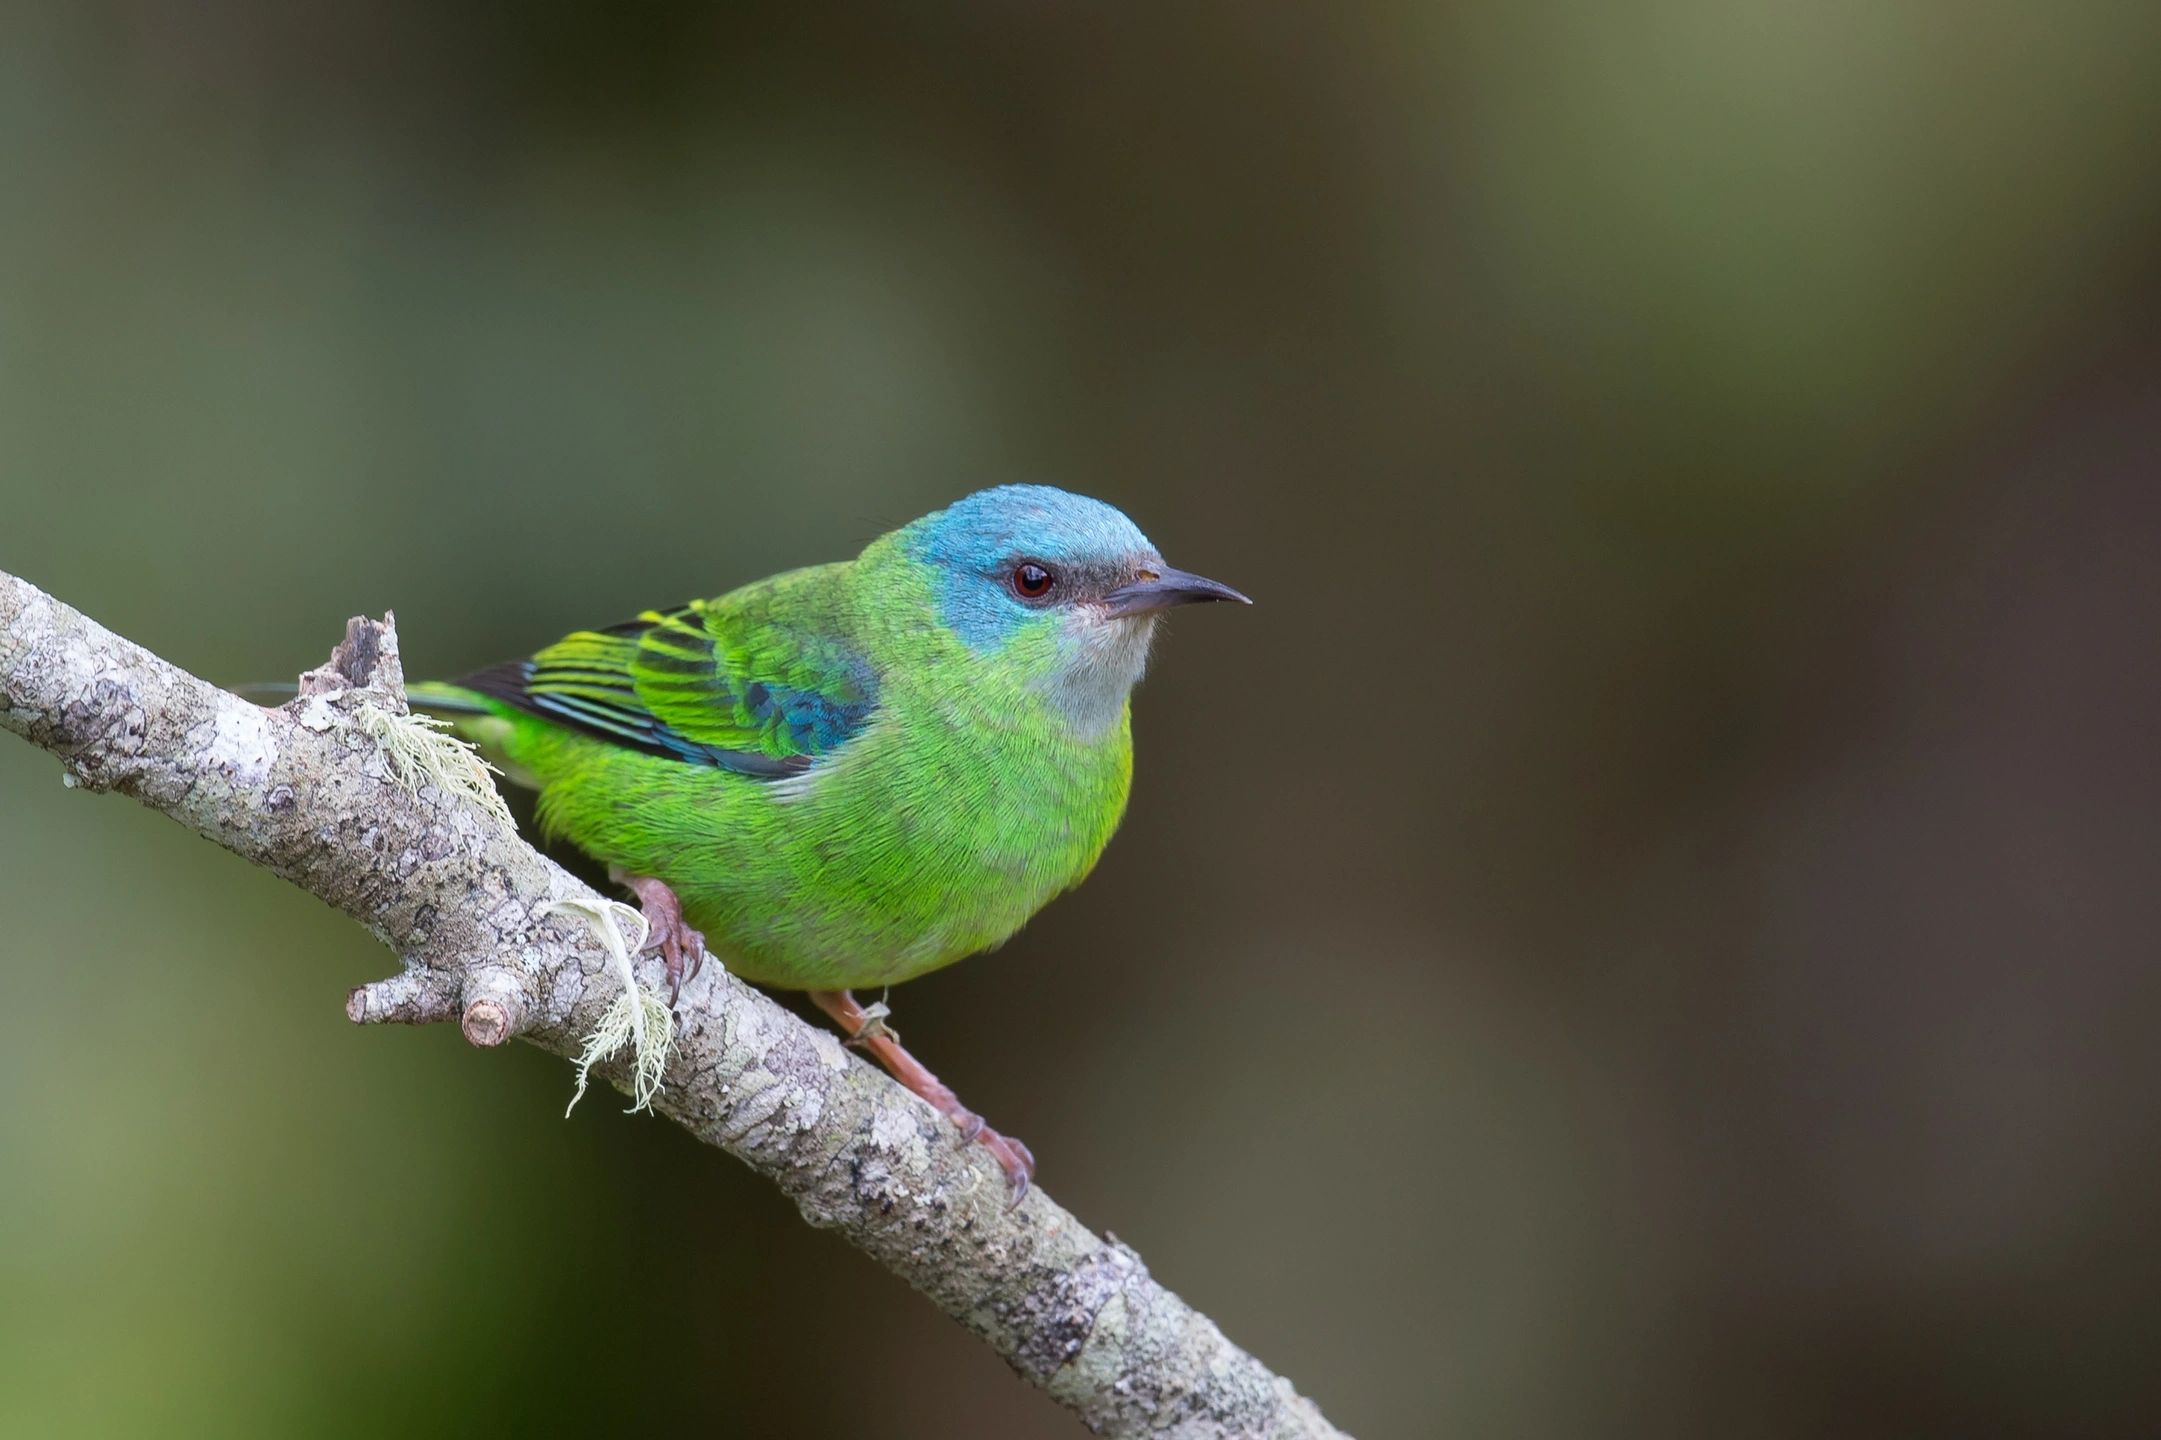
(870, 1022)
(681, 948)
(865, 1027)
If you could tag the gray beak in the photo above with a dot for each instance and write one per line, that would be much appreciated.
(1162, 588)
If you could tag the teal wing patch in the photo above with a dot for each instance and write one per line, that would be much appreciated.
(692, 684)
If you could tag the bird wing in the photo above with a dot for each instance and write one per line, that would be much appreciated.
(727, 683)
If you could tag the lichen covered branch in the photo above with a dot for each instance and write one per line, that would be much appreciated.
(338, 792)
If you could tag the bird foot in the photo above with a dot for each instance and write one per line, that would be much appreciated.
(682, 949)
(873, 1025)
(865, 1027)
(1016, 1159)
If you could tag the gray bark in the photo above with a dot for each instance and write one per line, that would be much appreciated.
(450, 886)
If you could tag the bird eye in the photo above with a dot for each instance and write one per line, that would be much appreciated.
(1031, 581)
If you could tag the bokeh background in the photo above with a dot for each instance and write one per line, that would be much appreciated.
(1646, 929)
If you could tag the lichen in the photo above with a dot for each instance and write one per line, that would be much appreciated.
(421, 751)
(635, 1017)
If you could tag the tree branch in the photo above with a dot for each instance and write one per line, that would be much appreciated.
(448, 884)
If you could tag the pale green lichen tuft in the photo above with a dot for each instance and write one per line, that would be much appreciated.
(635, 1017)
(421, 752)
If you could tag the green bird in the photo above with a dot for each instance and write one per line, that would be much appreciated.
(850, 775)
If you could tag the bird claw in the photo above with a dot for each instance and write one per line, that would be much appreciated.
(1014, 1158)
(682, 949)
(682, 954)
(865, 1027)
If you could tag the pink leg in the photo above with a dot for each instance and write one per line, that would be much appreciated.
(681, 948)
(870, 1033)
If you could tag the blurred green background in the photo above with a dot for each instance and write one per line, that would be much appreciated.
(1647, 928)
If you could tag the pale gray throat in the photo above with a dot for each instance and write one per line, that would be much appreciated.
(1104, 661)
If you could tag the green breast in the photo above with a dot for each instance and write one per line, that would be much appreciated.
(967, 801)
(964, 807)
(927, 842)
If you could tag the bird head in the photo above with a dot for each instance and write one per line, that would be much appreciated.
(1065, 587)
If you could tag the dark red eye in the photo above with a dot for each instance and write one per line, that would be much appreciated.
(1031, 581)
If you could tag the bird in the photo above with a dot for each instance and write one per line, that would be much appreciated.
(846, 776)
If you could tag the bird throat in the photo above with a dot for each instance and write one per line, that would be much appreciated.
(1101, 662)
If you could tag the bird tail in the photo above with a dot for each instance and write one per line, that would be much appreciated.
(488, 733)
(425, 695)
(447, 699)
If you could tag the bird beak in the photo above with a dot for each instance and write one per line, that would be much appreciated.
(1162, 588)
